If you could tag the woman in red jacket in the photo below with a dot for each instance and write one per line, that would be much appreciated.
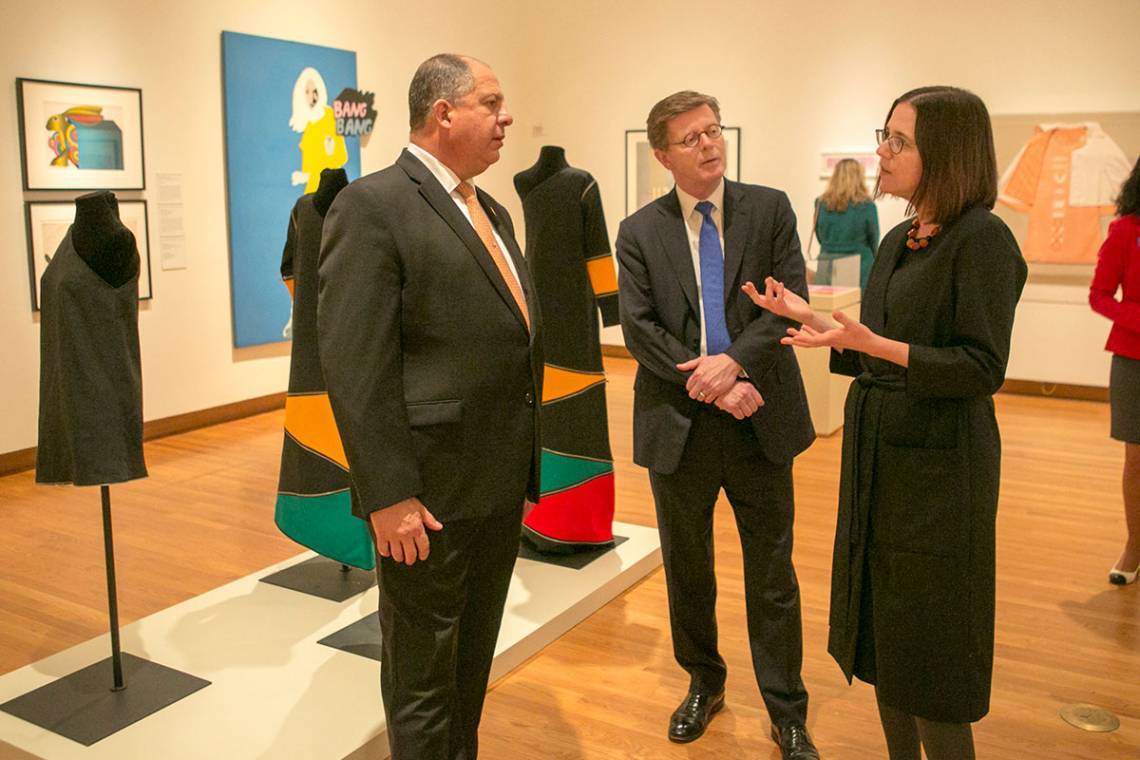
(1118, 267)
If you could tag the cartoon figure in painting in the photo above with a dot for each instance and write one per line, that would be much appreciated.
(85, 124)
(321, 147)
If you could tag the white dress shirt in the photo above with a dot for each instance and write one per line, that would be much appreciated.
(450, 182)
(693, 221)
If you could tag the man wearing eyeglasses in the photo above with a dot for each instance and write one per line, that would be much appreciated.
(718, 403)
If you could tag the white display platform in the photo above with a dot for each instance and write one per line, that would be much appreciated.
(827, 393)
(277, 693)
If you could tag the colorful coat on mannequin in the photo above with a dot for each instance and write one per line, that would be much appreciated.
(314, 506)
(568, 252)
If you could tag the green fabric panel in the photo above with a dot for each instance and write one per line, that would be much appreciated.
(326, 525)
(560, 472)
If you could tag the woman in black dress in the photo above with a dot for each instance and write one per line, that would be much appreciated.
(912, 596)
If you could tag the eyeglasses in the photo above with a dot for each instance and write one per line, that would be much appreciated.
(713, 132)
(894, 142)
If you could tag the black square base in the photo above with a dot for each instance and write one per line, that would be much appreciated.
(361, 638)
(575, 560)
(323, 577)
(82, 707)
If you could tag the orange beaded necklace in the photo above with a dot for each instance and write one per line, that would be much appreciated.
(916, 243)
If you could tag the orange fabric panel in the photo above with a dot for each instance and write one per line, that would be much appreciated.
(1040, 186)
(1021, 190)
(603, 278)
(289, 285)
(309, 419)
(1059, 233)
(559, 383)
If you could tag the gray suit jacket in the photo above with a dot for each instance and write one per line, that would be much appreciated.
(434, 380)
(660, 316)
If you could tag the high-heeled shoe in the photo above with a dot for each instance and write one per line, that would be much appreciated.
(1118, 577)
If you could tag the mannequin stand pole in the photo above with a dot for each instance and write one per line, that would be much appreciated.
(80, 706)
(112, 594)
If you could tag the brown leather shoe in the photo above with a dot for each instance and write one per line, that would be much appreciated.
(795, 744)
(690, 720)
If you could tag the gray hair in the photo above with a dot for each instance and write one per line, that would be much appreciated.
(442, 77)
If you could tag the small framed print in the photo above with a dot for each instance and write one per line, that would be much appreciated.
(868, 159)
(48, 223)
(80, 136)
(647, 180)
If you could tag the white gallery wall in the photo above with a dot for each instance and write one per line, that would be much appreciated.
(797, 78)
(801, 78)
(172, 50)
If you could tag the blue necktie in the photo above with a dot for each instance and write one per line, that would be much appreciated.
(712, 283)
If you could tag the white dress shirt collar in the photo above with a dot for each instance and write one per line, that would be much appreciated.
(449, 179)
(450, 182)
(689, 203)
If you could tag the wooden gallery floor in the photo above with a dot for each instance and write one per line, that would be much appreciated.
(605, 690)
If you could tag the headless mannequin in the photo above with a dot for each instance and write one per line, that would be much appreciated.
(551, 160)
(332, 182)
(102, 240)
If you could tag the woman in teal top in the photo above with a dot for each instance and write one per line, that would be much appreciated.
(847, 222)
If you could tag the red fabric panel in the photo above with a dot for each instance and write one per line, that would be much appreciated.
(584, 513)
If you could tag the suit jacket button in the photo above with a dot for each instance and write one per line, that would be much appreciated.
(529, 398)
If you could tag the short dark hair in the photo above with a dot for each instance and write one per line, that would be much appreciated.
(955, 141)
(675, 105)
(445, 76)
(1128, 202)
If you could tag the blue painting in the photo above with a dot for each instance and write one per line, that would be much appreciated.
(280, 133)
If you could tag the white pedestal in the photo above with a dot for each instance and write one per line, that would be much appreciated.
(276, 692)
(827, 392)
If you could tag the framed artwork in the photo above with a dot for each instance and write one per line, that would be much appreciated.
(868, 159)
(1059, 175)
(80, 136)
(282, 128)
(48, 223)
(647, 180)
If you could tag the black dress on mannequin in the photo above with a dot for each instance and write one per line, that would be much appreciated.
(102, 241)
(568, 252)
(90, 421)
(91, 433)
(314, 505)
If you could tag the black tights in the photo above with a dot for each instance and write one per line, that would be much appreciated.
(905, 733)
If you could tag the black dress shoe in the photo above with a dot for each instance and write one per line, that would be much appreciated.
(795, 744)
(691, 719)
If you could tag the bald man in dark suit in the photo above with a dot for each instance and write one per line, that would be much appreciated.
(429, 341)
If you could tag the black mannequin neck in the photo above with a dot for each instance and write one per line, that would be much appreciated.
(551, 160)
(332, 182)
(102, 240)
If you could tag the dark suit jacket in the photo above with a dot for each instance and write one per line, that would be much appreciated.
(434, 380)
(660, 317)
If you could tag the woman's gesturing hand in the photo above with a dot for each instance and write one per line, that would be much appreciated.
(779, 300)
(849, 333)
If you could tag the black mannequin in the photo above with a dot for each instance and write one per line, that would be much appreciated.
(102, 240)
(551, 159)
(332, 182)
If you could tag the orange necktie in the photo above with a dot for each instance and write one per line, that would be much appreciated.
(483, 228)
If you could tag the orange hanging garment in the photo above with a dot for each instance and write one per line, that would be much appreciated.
(1065, 179)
